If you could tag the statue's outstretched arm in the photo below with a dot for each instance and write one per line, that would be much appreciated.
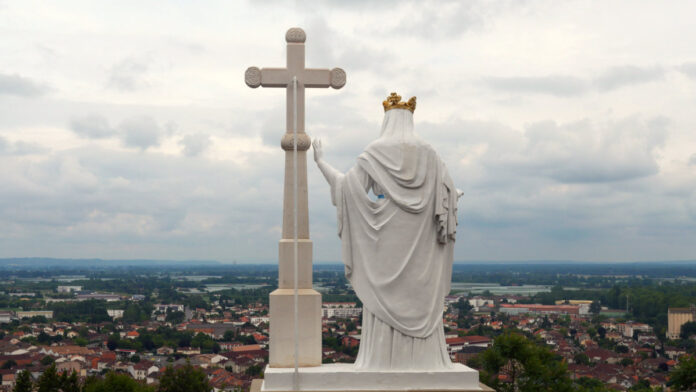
(327, 170)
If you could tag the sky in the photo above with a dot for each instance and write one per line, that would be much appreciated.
(127, 132)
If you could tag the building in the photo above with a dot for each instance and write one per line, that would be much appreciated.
(340, 310)
(31, 313)
(458, 343)
(99, 296)
(163, 308)
(676, 317)
(114, 313)
(68, 289)
(6, 317)
(539, 309)
(629, 329)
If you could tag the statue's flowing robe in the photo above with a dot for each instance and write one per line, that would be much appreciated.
(398, 251)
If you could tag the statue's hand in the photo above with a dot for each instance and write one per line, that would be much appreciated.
(460, 193)
(318, 150)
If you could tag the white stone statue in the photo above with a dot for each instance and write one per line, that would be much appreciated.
(397, 248)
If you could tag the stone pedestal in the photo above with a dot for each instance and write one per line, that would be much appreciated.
(282, 347)
(344, 378)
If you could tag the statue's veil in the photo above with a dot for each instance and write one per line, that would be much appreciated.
(398, 125)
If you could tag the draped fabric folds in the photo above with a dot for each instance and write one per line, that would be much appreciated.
(398, 250)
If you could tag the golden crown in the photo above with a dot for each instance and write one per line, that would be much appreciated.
(393, 101)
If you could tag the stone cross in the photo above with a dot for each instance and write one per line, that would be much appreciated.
(281, 300)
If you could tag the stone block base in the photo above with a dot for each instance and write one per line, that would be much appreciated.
(344, 378)
(282, 330)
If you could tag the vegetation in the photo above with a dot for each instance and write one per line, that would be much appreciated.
(514, 363)
(683, 377)
(184, 379)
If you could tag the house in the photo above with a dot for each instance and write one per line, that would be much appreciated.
(350, 340)
(71, 366)
(132, 335)
(456, 344)
(188, 350)
(8, 380)
(142, 370)
(164, 350)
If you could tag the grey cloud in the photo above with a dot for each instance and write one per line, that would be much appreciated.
(96, 201)
(128, 75)
(688, 69)
(20, 86)
(195, 144)
(140, 132)
(692, 160)
(617, 77)
(565, 85)
(581, 152)
(20, 147)
(558, 85)
(92, 127)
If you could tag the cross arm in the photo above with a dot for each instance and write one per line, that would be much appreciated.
(314, 77)
(267, 77)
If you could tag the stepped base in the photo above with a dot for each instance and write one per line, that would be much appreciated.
(344, 378)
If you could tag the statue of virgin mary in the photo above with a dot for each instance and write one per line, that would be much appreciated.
(397, 248)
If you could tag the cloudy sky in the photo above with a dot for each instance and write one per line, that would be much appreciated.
(126, 129)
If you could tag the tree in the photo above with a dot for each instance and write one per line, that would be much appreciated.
(595, 307)
(49, 380)
(184, 379)
(9, 364)
(114, 382)
(688, 329)
(69, 383)
(228, 336)
(683, 376)
(23, 382)
(47, 360)
(514, 363)
(581, 359)
(621, 349)
(112, 341)
(602, 332)
(175, 317)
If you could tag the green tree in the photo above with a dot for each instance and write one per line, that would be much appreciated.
(688, 329)
(115, 382)
(228, 336)
(23, 382)
(175, 317)
(514, 363)
(683, 376)
(595, 307)
(69, 382)
(184, 379)
(47, 360)
(112, 341)
(581, 359)
(9, 364)
(49, 380)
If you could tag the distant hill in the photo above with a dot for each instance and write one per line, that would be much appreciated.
(46, 262)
